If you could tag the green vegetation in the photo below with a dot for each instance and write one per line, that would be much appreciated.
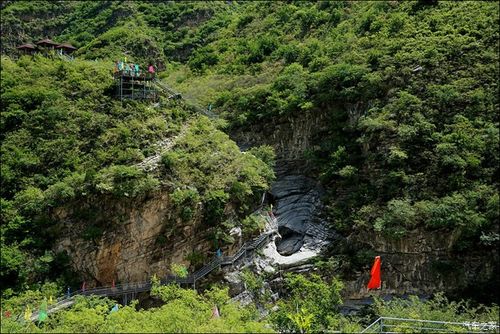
(408, 92)
(179, 270)
(184, 311)
(213, 170)
(411, 88)
(252, 282)
(146, 30)
(438, 308)
(411, 92)
(65, 139)
(312, 306)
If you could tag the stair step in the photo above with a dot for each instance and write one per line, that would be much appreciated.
(123, 289)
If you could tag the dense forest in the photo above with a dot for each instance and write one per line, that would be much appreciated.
(411, 142)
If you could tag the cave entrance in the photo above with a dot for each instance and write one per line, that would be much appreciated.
(291, 241)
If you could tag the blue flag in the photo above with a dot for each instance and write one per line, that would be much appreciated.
(114, 309)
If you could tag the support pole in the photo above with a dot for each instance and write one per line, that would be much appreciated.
(133, 95)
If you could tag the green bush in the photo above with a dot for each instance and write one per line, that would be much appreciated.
(184, 197)
(253, 283)
(252, 224)
(310, 299)
(124, 181)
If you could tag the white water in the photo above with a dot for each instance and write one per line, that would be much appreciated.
(303, 255)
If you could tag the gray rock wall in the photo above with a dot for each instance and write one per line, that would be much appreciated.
(420, 263)
(128, 250)
(290, 136)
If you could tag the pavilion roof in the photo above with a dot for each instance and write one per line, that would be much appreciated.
(26, 46)
(46, 41)
(66, 46)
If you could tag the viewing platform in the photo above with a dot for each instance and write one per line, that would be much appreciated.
(130, 85)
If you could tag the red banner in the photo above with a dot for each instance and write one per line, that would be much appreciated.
(375, 280)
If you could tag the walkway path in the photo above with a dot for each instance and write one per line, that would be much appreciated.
(129, 290)
(151, 163)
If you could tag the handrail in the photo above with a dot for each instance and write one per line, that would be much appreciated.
(132, 74)
(134, 287)
(371, 325)
(172, 93)
(470, 326)
(165, 88)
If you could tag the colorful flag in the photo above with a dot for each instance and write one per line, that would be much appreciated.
(27, 314)
(375, 281)
(114, 309)
(42, 314)
(215, 312)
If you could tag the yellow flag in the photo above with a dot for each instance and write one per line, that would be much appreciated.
(27, 314)
(51, 300)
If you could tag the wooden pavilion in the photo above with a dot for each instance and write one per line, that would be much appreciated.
(47, 44)
(26, 49)
(65, 48)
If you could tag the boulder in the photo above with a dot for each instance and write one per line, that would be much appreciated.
(290, 245)
(236, 285)
(245, 298)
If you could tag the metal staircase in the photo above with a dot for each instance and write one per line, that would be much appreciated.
(167, 90)
(172, 94)
(129, 290)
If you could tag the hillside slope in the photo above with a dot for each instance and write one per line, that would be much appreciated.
(405, 93)
(69, 145)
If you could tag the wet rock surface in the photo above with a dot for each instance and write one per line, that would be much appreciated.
(291, 244)
(297, 207)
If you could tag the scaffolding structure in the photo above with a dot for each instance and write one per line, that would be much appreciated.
(135, 87)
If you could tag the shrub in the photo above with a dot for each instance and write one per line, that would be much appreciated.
(125, 181)
(179, 270)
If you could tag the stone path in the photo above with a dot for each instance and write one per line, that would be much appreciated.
(152, 162)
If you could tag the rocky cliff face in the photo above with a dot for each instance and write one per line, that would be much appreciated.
(138, 239)
(420, 263)
(290, 136)
(142, 238)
